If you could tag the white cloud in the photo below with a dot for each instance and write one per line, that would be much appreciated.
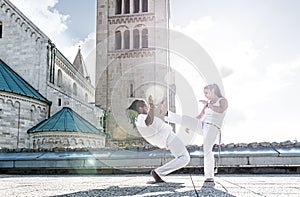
(44, 16)
(254, 90)
(54, 24)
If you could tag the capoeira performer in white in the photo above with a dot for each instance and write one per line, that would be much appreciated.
(160, 134)
(208, 124)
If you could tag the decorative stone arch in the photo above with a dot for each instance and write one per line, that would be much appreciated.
(10, 102)
(32, 112)
(39, 109)
(12, 15)
(73, 142)
(65, 142)
(7, 10)
(33, 108)
(87, 142)
(80, 142)
(28, 29)
(2, 5)
(18, 19)
(39, 142)
(120, 36)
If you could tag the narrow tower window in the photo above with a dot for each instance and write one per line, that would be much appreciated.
(136, 6)
(126, 39)
(136, 39)
(118, 40)
(145, 38)
(144, 5)
(1, 27)
(118, 6)
(131, 91)
(126, 6)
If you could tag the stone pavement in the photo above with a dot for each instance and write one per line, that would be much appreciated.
(138, 185)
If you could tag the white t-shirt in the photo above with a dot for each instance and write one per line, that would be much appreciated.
(214, 117)
(156, 133)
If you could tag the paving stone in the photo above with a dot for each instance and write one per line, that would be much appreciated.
(139, 185)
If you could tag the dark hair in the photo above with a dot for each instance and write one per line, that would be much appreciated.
(216, 88)
(132, 110)
(136, 104)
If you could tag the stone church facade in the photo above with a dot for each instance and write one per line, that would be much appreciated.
(33, 56)
(131, 61)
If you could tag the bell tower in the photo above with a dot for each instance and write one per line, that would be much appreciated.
(132, 61)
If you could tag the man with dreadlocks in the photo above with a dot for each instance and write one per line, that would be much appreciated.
(160, 134)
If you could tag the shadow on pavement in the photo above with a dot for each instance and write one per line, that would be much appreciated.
(208, 189)
(160, 189)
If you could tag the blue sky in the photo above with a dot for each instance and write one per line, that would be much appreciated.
(255, 45)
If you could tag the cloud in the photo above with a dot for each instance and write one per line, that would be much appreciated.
(54, 24)
(44, 16)
(254, 90)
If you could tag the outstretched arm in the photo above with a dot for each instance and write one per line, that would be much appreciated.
(150, 117)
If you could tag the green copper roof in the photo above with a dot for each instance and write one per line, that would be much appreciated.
(10, 81)
(65, 120)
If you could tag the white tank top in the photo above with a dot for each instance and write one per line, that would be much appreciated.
(214, 117)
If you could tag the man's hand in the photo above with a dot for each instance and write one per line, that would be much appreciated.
(150, 100)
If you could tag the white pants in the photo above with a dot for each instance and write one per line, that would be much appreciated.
(209, 133)
(182, 157)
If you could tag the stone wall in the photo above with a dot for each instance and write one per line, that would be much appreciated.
(23, 46)
(31, 54)
(17, 115)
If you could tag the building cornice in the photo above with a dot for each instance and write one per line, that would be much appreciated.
(138, 53)
(131, 18)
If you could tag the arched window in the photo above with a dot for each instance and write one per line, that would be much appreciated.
(126, 6)
(136, 6)
(1, 27)
(126, 39)
(118, 40)
(145, 38)
(144, 5)
(136, 39)
(59, 78)
(75, 89)
(118, 6)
